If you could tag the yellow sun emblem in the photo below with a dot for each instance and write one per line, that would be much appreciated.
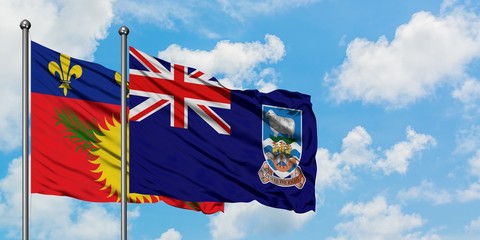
(107, 152)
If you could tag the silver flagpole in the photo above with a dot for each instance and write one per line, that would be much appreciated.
(123, 31)
(25, 26)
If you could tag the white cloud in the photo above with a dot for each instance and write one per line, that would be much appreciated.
(355, 151)
(425, 191)
(377, 220)
(170, 234)
(73, 27)
(134, 213)
(69, 26)
(398, 157)
(468, 94)
(79, 222)
(418, 60)
(334, 172)
(474, 163)
(470, 194)
(197, 16)
(337, 168)
(161, 12)
(473, 226)
(468, 140)
(238, 63)
(53, 217)
(268, 80)
(243, 9)
(471, 231)
(448, 5)
(420, 236)
(241, 220)
(11, 196)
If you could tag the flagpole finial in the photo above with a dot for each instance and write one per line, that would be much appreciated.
(25, 24)
(123, 30)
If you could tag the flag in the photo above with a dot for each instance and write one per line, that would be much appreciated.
(193, 139)
(75, 107)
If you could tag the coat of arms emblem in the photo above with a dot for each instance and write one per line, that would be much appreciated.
(282, 147)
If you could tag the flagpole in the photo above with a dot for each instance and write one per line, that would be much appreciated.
(123, 31)
(25, 26)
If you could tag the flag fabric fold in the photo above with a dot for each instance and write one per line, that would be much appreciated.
(193, 139)
(75, 113)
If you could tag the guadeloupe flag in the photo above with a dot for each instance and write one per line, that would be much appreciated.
(75, 129)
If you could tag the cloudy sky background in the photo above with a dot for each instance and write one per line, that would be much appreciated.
(395, 88)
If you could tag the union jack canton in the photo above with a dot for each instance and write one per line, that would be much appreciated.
(165, 84)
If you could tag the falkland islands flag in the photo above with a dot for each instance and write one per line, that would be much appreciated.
(195, 140)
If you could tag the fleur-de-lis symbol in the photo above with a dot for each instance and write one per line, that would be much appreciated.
(65, 72)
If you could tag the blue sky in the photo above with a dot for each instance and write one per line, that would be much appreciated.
(395, 88)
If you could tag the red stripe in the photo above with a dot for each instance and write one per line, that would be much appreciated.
(180, 89)
(148, 110)
(197, 74)
(144, 60)
(215, 118)
(179, 97)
